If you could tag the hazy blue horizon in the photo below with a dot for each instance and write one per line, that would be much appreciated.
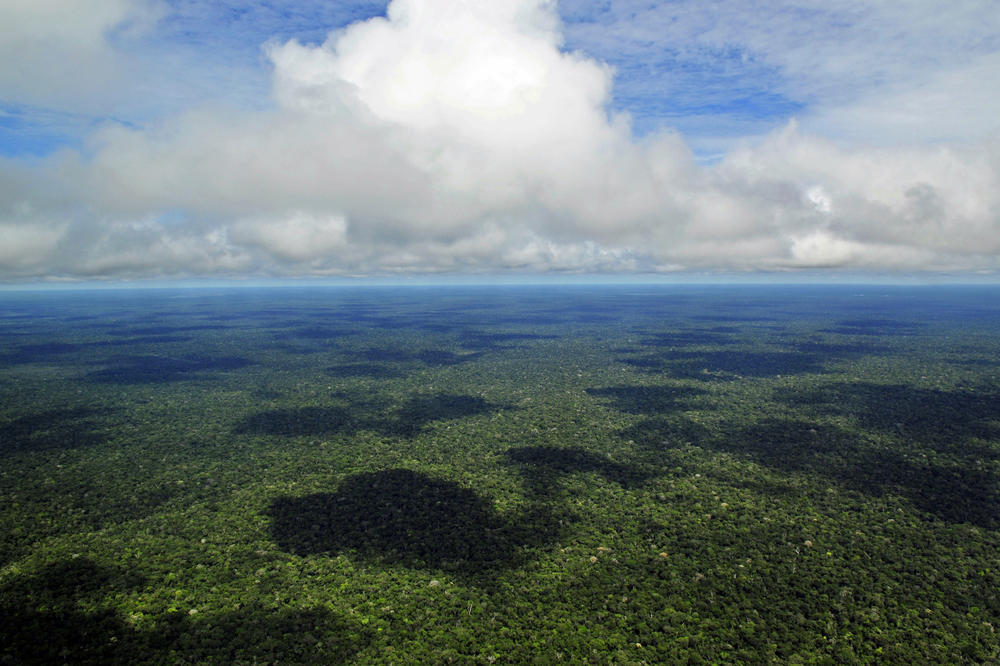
(780, 280)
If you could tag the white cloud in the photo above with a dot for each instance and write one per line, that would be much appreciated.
(298, 236)
(459, 136)
(59, 52)
(27, 245)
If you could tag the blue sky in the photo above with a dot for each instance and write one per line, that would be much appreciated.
(199, 43)
(188, 139)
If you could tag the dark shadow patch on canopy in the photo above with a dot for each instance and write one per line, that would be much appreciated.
(944, 419)
(301, 421)
(55, 351)
(406, 420)
(647, 400)
(735, 318)
(371, 370)
(421, 410)
(495, 340)
(665, 432)
(164, 369)
(128, 331)
(840, 350)
(53, 429)
(406, 518)
(432, 357)
(442, 357)
(713, 365)
(690, 338)
(950, 489)
(65, 613)
(544, 467)
(42, 618)
(875, 327)
(315, 333)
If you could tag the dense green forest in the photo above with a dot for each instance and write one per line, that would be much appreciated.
(501, 475)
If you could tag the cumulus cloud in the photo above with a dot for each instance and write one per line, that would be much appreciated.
(461, 136)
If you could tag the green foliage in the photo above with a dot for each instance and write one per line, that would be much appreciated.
(614, 475)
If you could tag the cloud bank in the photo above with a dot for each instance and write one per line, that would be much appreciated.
(459, 136)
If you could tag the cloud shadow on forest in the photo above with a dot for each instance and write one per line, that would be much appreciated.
(52, 429)
(953, 493)
(945, 420)
(59, 352)
(840, 350)
(432, 357)
(875, 327)
(959, 427)
(315, 333)
(544, 467)
(370, 370)
(690, 338)
(405, 420)
(499, 340)
(156, 331)
(45, 623)
(953, 488)
(646, 399)
(678, 356)
(408, 518)
(164, 369)
(666, 431)
(707, 365)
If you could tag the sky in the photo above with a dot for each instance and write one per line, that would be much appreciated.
(284, 139)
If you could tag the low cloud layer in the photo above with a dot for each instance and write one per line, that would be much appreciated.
(462, 137)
